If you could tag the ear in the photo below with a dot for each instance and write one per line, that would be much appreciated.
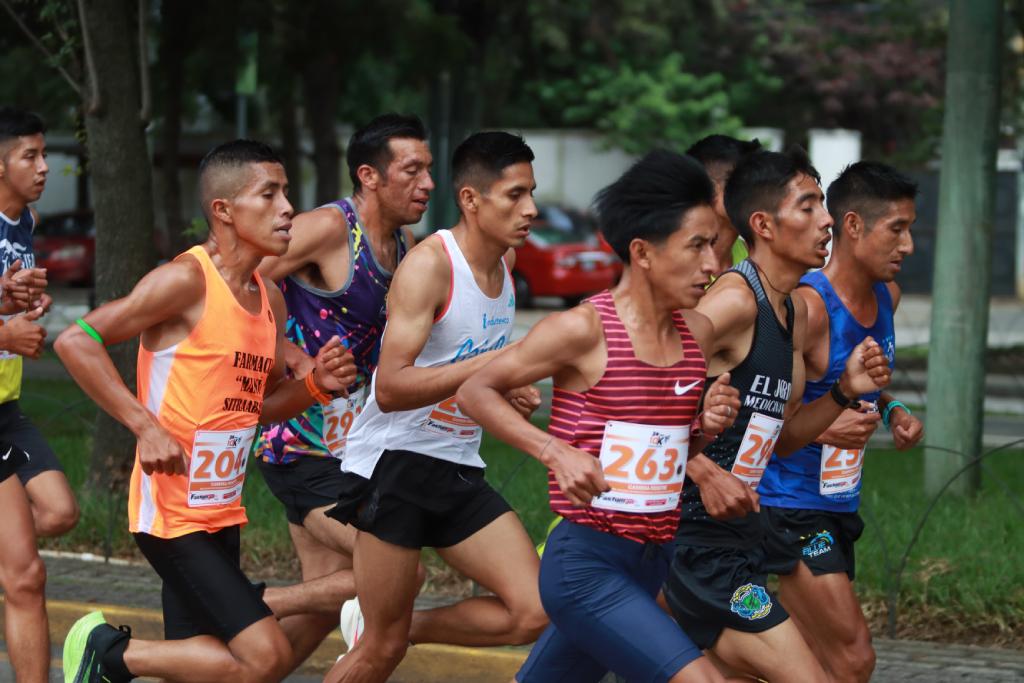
(640, 253)
(368, 176)
(469, 199)
(763, 225)
(853, 225)
(222, 210)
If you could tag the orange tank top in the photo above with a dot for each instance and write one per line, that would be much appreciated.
(208, 391)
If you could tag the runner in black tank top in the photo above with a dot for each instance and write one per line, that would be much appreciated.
(717, 586)
(764, 379)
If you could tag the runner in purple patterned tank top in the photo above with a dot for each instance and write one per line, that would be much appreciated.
(335, 279)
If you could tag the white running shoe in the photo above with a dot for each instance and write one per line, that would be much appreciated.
(351, 622)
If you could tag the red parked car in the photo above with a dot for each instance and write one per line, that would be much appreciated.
(563, 257)
(65, 244)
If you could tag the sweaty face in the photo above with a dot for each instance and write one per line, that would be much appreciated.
(882, 250)
(25, 168)
(404, 193)
(680, 268)
(802, 224)
(506, 210)
(261, 212)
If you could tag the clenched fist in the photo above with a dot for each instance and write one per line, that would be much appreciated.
(335, 368)
(721, 405)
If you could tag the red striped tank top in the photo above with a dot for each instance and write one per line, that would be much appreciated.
(629, 391)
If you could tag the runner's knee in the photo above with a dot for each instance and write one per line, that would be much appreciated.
(859, 662)
(270, 664)
(529, 624)
(25, 582)
(56, 518)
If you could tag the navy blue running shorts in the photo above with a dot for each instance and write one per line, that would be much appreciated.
(599, 591)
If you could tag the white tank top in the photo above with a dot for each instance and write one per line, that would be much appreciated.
(470, 324)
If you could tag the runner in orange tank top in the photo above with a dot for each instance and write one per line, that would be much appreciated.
(210, 369)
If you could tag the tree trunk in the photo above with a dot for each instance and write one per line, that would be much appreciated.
(173, 23)
(122, 200)
(290, 151)
(321, 86)
(963, 252)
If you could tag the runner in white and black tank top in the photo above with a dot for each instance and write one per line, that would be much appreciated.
(764, 379)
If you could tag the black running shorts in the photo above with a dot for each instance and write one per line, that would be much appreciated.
(822, 540)
(302, 485)
(12, 460)
(18, 429)
(204, 591)
(710, 589)
(416, 501)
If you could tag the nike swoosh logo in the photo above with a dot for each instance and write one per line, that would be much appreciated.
(8, 452)
(682, 390)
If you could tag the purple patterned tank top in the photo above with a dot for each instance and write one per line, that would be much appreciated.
(356, 313)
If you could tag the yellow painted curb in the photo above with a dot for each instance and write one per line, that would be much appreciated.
(422, 663)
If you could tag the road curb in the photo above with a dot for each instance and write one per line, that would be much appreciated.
(422, 664)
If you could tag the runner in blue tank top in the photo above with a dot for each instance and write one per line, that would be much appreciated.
(809, 500)
(335, 280)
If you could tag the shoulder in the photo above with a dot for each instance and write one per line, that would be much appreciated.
(410, 239)
(814, 312)
(426, 267)
(179, 280)
(729, 296)
(35, 217)
(275, 299)
(578, 328)
(895, 293)
(327, 221)
(702, 329)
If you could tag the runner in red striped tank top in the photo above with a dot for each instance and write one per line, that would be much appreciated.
(628, 369)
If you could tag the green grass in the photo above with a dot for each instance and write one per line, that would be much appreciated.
(966, 566)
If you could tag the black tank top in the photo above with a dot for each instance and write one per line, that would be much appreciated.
(764, 379)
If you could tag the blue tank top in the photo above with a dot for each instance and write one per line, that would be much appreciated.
(814, 478)
(356, 313)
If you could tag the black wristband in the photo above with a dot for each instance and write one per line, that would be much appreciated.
(839, 397)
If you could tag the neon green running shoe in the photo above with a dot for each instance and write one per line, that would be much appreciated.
(87, 642)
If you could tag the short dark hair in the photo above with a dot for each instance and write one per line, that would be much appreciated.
(867, 188)
(481, 159)
(719, 154)
(17, 123)
(371, 144)
(227, 158)
(650, 200)
(758, 183)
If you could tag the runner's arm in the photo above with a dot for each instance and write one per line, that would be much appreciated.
(555, 345)
(310, 232)
(419, 293)
(334, 370)
(866, 369)
(731, 308)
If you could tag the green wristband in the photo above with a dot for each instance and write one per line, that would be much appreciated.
(91, 332)
(888, 411)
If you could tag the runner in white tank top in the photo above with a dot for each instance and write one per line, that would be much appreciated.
(412, 476)
(471, 323)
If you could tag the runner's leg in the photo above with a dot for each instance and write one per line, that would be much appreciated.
(778, 654)
(259, 654)
(54, 509)
(308, 628)
(840, 631)
(501, 558)
(340, 538)
(386, 576)
(23, 578)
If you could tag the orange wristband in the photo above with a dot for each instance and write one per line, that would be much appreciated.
(321, 398)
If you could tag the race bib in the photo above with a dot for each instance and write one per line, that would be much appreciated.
(840, 470)
(339, 415)
(446, 419)
(644, 466)
(756, 447)
(217, 467)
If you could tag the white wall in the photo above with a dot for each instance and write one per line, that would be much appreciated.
(831, 151)
(570, 166)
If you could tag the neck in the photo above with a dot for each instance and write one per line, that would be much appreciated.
(234, 259)
(850, 281)
(372, 216)
(727, 237)
(640, 307)
(480, 251)
(779, 275)
(11, 205)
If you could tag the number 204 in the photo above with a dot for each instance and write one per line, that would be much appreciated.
(223, 466)
(646, 468)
